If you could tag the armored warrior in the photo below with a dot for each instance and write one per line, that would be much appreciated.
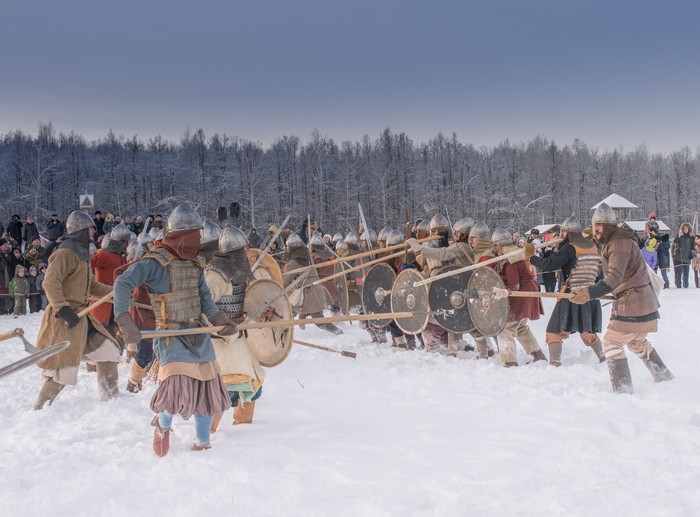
(517, 276)
(227, 275)
(313, 299)
(578, 259)
(210, 240)
(68, 283)
(480, 243)
(635, 311)
(106, 261)
(189, 374)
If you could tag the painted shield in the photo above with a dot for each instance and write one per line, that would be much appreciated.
(449, 303)
(271, 345)
(488, 312)
(341, 289)
(267, 269)
(407, 298)
(376, 292)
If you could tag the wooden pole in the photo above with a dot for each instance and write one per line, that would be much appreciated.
(364, 254)
(535, 294)
(353, 269)
(11, 334)
(148, 334)
(99, 302)
(483, 264)
(326, 349)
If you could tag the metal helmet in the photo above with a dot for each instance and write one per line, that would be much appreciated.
(155, 233)
(184, 217)
(572, 224)
(463, 226)
(294, 241)
(480, 231)
(78, 220)
(439, 222)
(317, 241)
(604, 215)
(351, 238)
(394, 237)
(210, 232)
(232, 239)
(105, 241)
(369, 234)
(145, 239)
(340, 245)
(423, 226)
(384, 233)
(121, 233)
(337, 237)
(501, 236)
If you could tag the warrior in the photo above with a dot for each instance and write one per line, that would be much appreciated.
(517, 276)
(106, 261)
(228, 275)
(635, 311)
(189, 374)
(578, 259)
(320, 254)
(480, 243)
(398, 264)
(68, 284)
(210, 240)
(313, 299)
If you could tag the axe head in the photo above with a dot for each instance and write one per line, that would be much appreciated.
(27, 345)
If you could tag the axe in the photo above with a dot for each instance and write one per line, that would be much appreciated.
(28, 347)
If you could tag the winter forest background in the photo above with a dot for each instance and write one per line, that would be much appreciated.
(510, 185)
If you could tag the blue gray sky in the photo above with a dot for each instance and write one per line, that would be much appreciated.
(612, 73)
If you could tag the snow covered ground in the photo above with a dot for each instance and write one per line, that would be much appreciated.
(390, 433)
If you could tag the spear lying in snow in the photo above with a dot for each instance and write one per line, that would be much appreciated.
(326, 349)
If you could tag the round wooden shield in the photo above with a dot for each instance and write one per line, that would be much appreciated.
(407, 298)
(341, 289)
(267, 269)
(488, 312)
(448, 301)
(270, 345)
(376, 292)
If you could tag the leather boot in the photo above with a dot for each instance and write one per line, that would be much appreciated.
(399, 342)
(657, 368)
(215, 422)
(161, 438)
(620, 376)
(555, 353)
(538, 355)
(243, 413)
(49, 391)
(135, 382)
(482, 348)
(597, 347)
(107, 379)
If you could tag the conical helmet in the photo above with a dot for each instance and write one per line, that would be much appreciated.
(572, 224)
(463, 226)
(337, 237)
(78, 220)
(351, 238)
(232, 239)
(294, 241)
(184, 217)
(121, 232)
(340, 245)
(394, 237)
(317, 241)
(384, 233)
(423, 226)
(604, 215)
(370, 235)
(480, 231)
(439, 222)
(105, 241)
(502, 236)
(211, 232)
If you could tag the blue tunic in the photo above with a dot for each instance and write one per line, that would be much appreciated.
(157, 279)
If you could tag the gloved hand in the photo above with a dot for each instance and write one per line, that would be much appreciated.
(529, 250)
(69, 316)
(230, 327)
(130, 332)
(415, 247)
(444, 242)
(580, 296)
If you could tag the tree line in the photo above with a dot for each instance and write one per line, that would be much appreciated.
(511, 185)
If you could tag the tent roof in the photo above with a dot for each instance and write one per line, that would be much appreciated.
(544, 228)
(638, 226)
(616, 201)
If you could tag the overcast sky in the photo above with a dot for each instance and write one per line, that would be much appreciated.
(612, 73)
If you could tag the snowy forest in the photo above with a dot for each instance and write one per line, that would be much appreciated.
(512, 185)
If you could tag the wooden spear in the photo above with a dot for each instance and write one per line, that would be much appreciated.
(325, 348)
(100, 301)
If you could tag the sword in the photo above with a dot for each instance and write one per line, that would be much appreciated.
(35, 357)
(139, 239)
(273, 239)
(364, 224)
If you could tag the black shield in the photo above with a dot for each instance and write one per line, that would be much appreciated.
(407, 298)
(376, 292)
(449, 303)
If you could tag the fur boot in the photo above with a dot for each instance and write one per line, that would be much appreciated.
(597, 347)
(555, 353)
(657, 368)
(107, 380)
(49, 391)
(620, 376)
